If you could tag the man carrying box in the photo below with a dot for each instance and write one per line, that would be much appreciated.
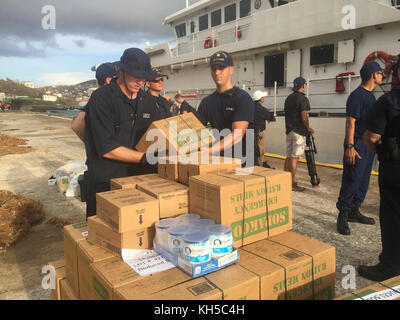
(110, 126)
(228, 108)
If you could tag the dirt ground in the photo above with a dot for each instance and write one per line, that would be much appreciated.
(314, 211)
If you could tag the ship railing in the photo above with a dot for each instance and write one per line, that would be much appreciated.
(224, 34)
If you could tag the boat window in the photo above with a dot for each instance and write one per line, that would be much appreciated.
(322, 54)
(275, 3)
(180, 30)
(245, 6)
(230, 13)
(203, 22)
(192, 27)
(274, 70)
(216, 18)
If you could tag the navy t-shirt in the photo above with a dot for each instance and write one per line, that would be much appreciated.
(358, 106)
(222, 109)
(382, 112)
(294, 105)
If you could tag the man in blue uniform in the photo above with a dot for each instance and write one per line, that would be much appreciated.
(229, 109)
(104, 74)
(114, 124)
(383, 136)
(357, 159)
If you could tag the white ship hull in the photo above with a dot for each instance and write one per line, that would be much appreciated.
(288, 31)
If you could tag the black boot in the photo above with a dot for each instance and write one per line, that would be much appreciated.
(356, 216)
(342, 225)
(376, 273)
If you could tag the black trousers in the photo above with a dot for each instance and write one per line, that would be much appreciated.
(389, 214)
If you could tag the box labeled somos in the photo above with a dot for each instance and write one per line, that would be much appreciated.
(127, 210)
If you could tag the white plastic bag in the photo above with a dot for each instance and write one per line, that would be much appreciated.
(67, 177)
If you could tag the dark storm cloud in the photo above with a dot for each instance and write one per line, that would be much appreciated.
(117, 21)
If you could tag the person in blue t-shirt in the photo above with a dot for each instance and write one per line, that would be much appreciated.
(357, 159)
(229, 109)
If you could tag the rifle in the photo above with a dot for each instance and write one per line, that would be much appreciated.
(310, 152)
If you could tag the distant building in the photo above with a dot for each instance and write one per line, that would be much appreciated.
(47, 97)
(59, 95)
(2, 96)
(82, 102)
(29, 84)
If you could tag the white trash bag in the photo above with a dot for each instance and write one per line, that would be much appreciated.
(67, 177)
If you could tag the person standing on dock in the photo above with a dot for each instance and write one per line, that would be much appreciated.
(297, 125)
(261, 115)
(357, 159)
(383, 137)
(110, 130)
(228, 109)
(104, 74)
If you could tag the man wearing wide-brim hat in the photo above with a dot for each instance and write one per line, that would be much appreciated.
(110, 131)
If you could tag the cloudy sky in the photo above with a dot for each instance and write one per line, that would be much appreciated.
(87, 32)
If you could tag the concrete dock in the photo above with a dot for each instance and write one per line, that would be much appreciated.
(54, 143)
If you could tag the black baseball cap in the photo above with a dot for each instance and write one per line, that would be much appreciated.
(137, 63)
(221, 58)
(107, 70)
(298, 83)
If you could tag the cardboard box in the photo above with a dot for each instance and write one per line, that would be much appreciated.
(167, 168)
(279, 198)
(72, 235)
(376, 291)
(268, 272)
(255, 206)
(323, 261)
(130, 182)
(108, 275)
(60, 273)
(144, 288)
(104, 236)
(181, 132)
(67, 293)
(173, 198)
(205, 166)
(308, 264)
(127, 210)
(196, 289)
(297, 283)
(89, 253)
(236, 283)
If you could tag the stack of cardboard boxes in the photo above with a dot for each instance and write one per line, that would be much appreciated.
(274, 263)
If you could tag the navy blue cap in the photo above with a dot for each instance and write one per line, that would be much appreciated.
(137, 63)
(221, 58)
(298, 83)
(106, 70)
(370, 68)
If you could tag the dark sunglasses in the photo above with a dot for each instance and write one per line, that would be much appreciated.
(157, 80)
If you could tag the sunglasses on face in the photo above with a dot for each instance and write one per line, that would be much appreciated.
(157, 80)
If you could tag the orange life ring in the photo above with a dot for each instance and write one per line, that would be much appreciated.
(383, 56)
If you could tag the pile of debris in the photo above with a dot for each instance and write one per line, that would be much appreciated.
(17, 215)
(12, 145)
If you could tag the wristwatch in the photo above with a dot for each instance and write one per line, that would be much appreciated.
(349, 146)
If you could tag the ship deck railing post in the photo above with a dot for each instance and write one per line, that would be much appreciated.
(275, 96)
